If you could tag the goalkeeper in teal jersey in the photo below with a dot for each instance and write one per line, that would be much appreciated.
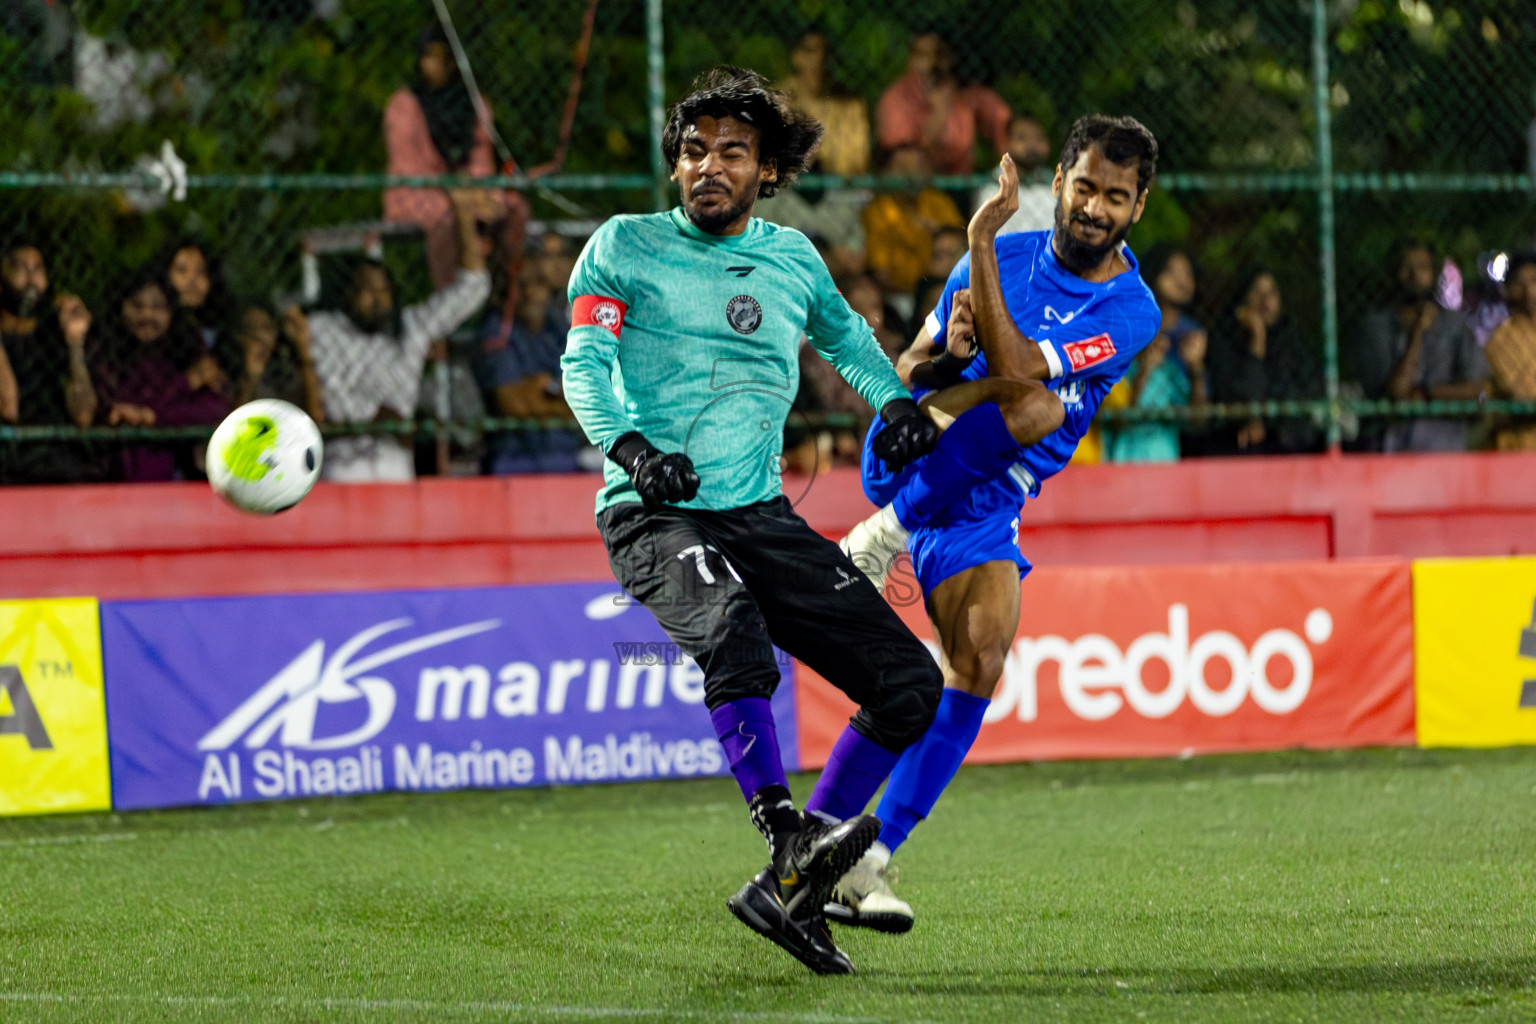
(681, 364)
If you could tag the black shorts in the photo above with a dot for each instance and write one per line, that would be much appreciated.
(729, 586)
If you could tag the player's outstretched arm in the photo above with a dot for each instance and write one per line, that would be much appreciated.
(1009, 352)
(842, 338)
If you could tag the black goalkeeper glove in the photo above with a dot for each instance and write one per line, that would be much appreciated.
(658, 477)
(907, 434)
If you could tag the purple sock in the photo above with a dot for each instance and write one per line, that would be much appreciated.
(751, 743)
(977, 447)
(854, 771)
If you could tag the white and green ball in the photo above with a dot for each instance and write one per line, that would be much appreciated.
(265, 456)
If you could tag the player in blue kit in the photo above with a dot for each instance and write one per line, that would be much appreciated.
(1058, 316)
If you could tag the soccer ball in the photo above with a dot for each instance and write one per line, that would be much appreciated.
(264, 457)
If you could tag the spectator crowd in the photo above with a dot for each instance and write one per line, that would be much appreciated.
(177, 343)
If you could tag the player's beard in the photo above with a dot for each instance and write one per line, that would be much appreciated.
(1077, 255)
(715, 222)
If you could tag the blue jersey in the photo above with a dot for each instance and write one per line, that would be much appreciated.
(1088, 332)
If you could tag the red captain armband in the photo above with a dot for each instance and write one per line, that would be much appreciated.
(598, 311)
(1089, 352)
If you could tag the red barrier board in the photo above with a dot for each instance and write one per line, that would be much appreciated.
(177, 540)
(1160, 661)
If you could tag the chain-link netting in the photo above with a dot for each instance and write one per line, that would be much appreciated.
(201, 175)
(1434, 114)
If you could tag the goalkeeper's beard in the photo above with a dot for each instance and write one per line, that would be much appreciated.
(715, 221)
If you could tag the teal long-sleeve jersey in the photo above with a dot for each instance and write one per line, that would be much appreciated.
(693, 340)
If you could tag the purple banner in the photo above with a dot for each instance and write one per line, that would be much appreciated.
(221, 700)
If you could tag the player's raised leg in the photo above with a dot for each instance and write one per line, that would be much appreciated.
(987, 426)
(975, 614)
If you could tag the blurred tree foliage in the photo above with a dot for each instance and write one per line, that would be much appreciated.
(259, 86)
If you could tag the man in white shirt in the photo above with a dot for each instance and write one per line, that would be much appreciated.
(369, 356)
(1031, 152)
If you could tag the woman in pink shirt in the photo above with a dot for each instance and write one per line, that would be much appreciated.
(926, 107)
(431, 128)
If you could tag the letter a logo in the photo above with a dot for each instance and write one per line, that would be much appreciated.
(23, 718)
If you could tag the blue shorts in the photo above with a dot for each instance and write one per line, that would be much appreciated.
(982, 528)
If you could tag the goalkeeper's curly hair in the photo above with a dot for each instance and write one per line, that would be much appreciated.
(787, 138)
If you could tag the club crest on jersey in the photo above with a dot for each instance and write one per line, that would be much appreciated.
(743, 314)
(1089, 351)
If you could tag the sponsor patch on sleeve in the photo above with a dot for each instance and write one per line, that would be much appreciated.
(1089, 352)
(598, 311)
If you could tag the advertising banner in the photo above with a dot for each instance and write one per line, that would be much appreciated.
(258, 698)
(53, 729)
(1158, 661)
(1475, 651)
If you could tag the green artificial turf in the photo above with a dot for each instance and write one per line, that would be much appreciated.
(1378, 885)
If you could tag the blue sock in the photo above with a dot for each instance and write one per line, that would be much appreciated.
(927, 766)
(977, 447)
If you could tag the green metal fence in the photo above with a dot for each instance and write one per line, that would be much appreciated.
(1306, 136)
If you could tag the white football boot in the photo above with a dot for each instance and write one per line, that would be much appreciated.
(874, 544)
(863, 898)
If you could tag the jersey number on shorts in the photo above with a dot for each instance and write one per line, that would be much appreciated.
(696, 552)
